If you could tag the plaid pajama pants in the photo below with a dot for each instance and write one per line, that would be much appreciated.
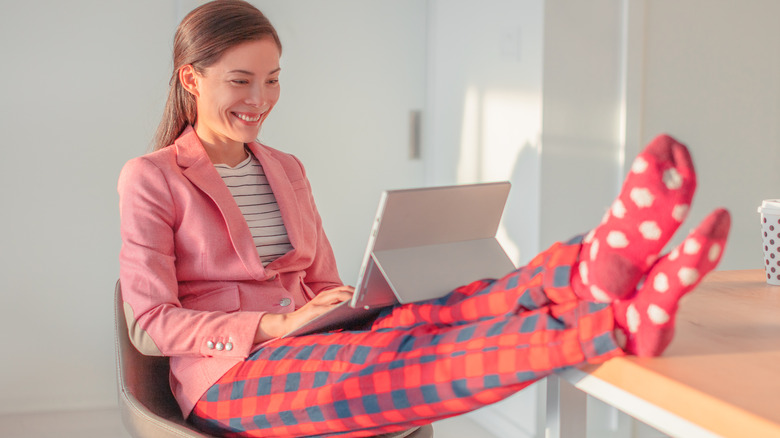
(419, 362)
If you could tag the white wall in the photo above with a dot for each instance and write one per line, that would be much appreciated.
(620, 72)
(581, 115)
(712, 79)
(483, 123)
(483, 120)
(82, 87)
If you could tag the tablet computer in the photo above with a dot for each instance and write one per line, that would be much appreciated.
(424, 243)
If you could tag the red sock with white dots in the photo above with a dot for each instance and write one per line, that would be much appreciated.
(653, 202)
(647, 318)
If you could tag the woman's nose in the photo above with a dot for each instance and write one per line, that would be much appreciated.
(257, 96)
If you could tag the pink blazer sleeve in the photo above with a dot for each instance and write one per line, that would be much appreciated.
(158, 323)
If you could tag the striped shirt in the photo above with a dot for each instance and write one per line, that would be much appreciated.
(250, 189)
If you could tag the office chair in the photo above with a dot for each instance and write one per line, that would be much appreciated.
(145, 400)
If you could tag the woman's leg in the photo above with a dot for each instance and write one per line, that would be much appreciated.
(543, 281)
(646, 319)
(366, 383)
(393, 377)
(489, 339)
(652, 204)
(607, 265)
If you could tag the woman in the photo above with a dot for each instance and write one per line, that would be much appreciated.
(223, 252)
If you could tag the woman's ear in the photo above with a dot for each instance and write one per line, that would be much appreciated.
(189, 79)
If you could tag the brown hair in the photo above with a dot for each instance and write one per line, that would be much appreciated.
(202, 37)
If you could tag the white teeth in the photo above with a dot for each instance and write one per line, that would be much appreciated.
(247, 118)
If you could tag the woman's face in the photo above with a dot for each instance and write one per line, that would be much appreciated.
(235, 94)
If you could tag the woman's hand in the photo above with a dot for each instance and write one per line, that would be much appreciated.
(322, 303)
(274, 325)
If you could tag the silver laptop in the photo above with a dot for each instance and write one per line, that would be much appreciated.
(424, 243)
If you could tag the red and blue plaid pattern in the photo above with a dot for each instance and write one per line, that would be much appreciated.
(420, 362)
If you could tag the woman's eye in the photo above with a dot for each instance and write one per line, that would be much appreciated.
(273, 81)
(240, 81)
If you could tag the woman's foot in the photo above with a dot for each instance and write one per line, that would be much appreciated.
(653, 202)
(647, 318)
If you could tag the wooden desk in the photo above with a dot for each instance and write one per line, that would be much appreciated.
(720, 376)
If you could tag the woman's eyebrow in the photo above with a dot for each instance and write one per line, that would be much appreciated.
(249, 73)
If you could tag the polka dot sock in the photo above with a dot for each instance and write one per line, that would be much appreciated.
(652, 204)
(647, 318)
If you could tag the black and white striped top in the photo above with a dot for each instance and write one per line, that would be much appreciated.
(250, 189)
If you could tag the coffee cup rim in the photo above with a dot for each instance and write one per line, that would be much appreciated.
(770, 206)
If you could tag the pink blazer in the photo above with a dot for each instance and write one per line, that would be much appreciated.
(193, 286)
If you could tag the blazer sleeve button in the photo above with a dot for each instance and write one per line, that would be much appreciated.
(228, 346)
(210, 345)
(220, 346)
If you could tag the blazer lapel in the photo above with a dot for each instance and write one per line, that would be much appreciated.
(285, 197)
(197, 167)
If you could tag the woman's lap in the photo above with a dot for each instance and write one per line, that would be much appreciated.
(419, 362)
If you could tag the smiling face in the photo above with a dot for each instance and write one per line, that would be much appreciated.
(235, 94)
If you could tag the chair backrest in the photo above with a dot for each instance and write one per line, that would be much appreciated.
(145, 399)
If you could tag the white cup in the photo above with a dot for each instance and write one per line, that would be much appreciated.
(770, 230)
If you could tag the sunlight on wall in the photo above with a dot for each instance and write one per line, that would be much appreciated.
(500, 133)
(510, 122)
(484, 124)
(468, 168)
